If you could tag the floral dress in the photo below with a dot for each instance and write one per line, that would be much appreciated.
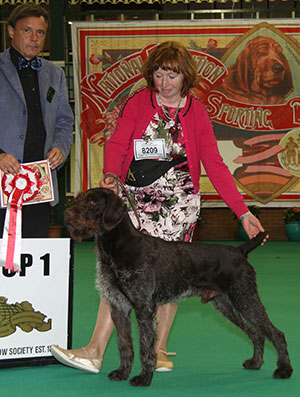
(167, 208)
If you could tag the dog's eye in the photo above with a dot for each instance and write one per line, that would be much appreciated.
(262, 52)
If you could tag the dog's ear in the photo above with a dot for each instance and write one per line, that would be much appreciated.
(242, 78)
(238, 78)
(114, 212)
(286, 85)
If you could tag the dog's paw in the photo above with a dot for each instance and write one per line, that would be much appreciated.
(141, 381)
(252, 364)
(283, 372)
(118, 375)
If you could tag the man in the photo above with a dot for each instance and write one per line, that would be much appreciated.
(36, 118)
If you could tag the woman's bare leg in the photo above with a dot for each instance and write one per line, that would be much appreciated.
(165, 316)
(94, 351)
(103, 329)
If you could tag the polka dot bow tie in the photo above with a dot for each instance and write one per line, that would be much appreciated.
(34, 64)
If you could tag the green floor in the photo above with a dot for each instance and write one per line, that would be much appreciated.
(210, 351)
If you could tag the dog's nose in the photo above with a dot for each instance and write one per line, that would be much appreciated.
(277, 68)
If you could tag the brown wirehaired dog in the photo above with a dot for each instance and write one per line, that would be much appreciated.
(141, 272)
(261, 74)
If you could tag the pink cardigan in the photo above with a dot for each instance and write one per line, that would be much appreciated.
(201, 144)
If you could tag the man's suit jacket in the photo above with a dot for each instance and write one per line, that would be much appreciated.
(57, 114)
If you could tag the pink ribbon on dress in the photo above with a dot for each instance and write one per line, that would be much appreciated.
(19, 189)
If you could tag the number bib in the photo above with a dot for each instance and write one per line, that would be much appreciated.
(152, 149)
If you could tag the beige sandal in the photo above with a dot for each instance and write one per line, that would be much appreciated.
(68, 358)
(163, 363)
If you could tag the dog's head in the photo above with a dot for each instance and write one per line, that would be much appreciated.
(94, 210)
(262, 67)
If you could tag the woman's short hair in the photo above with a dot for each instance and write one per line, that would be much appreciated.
(171, 55)
(25, 11)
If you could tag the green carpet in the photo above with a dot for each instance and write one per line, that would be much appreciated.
(210, 350)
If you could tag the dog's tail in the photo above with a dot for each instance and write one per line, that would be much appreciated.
(253, 243)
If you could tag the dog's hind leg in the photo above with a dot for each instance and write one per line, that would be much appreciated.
(122, 322)
(260, 320)
(253, 311)
(284, 369)
(145, 316)
(225, 307)
(257, 325)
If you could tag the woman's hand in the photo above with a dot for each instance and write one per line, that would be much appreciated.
(108, 182)
(253, 226)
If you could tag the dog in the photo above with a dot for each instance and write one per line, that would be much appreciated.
(141, 272)
(261, 74)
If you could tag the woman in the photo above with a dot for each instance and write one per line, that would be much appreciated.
(162, 135)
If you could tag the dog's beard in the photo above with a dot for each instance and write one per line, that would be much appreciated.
(79, 226)
(82, 233)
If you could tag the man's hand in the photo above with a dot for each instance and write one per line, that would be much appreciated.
(9, 164)
(55, 158)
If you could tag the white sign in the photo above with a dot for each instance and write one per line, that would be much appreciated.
(35, 302)
(152, 149)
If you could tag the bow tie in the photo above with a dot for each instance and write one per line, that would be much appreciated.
(34, 64)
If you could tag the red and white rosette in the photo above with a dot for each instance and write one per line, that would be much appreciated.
(19, 189)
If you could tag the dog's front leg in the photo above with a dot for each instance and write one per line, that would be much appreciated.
(145, 317)
(123, 327)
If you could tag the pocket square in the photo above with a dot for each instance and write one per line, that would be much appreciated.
(50, 94)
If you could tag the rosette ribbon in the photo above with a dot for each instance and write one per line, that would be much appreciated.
(19, 188)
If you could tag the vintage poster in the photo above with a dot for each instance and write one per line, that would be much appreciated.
(248, 81)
